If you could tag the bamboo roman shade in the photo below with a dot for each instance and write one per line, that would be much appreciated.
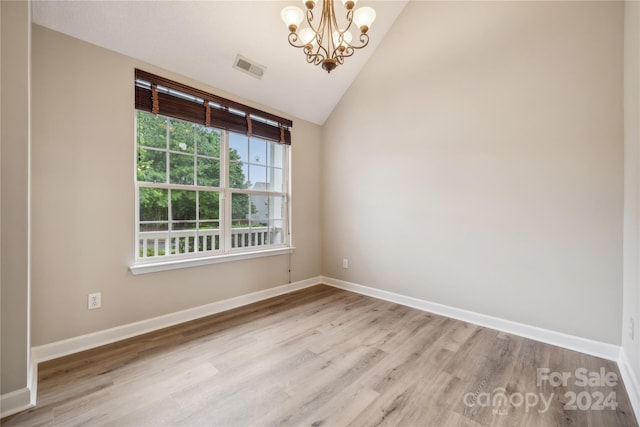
(159, 95)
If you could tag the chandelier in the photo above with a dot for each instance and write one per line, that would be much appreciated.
(324, 42)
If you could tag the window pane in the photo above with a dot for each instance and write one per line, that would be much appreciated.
(181, 136)
(183, 237)
(154, 227)
(276, 208)
(260, 210)
(257, 177)
(209, 206)
(208, 172)
(154, 204)
(275, 180)
(152, 165)
(209, 238)
(181, 169)
(238, 175)
(240, 210)
(182, 228)
(208, 225)
(152, 130)
(183, 205)
(276, 232)
(153, 239)
(208, 140)
(238, 147)
(276, 155)
(258, 151)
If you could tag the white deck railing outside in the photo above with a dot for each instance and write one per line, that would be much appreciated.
(162, 243)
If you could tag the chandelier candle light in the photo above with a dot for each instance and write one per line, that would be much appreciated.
(326, 43)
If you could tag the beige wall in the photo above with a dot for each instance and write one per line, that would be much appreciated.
(14, 283)
(83, 201)
(631, 290)
(477, 162)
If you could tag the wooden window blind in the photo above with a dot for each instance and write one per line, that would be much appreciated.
(158, 95)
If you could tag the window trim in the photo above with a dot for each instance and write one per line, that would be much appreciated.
(252, 116)
(178, 263)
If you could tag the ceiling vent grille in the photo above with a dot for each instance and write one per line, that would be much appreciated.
(248, 66)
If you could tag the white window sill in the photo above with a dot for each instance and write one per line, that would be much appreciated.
(153, 267)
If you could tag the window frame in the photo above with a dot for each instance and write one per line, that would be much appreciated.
(226, 251)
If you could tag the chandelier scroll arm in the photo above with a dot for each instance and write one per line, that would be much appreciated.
(313, 58)
(310, 18)
(364, 38)
(293, 38)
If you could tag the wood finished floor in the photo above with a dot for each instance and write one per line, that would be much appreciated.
(318, 357)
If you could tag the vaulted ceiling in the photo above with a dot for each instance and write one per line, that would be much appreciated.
(201, 39)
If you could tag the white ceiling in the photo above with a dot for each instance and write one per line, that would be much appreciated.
(200, 39)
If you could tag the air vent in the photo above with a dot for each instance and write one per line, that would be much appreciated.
(248, 66)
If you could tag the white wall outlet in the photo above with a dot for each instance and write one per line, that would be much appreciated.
(94, 301)
(632, 329)
(345, 263)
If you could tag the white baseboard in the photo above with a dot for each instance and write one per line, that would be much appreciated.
(631, 381)
(22, 399)
(33, 381)
(583, 345)
(16, 401)
(84, 342)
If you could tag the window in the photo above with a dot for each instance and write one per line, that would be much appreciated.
(210, 189)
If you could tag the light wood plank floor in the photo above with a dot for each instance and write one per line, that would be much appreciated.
(324, 357)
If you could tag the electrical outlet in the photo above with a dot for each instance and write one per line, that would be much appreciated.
(94, 301)
(345, 263)
(632, 332)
